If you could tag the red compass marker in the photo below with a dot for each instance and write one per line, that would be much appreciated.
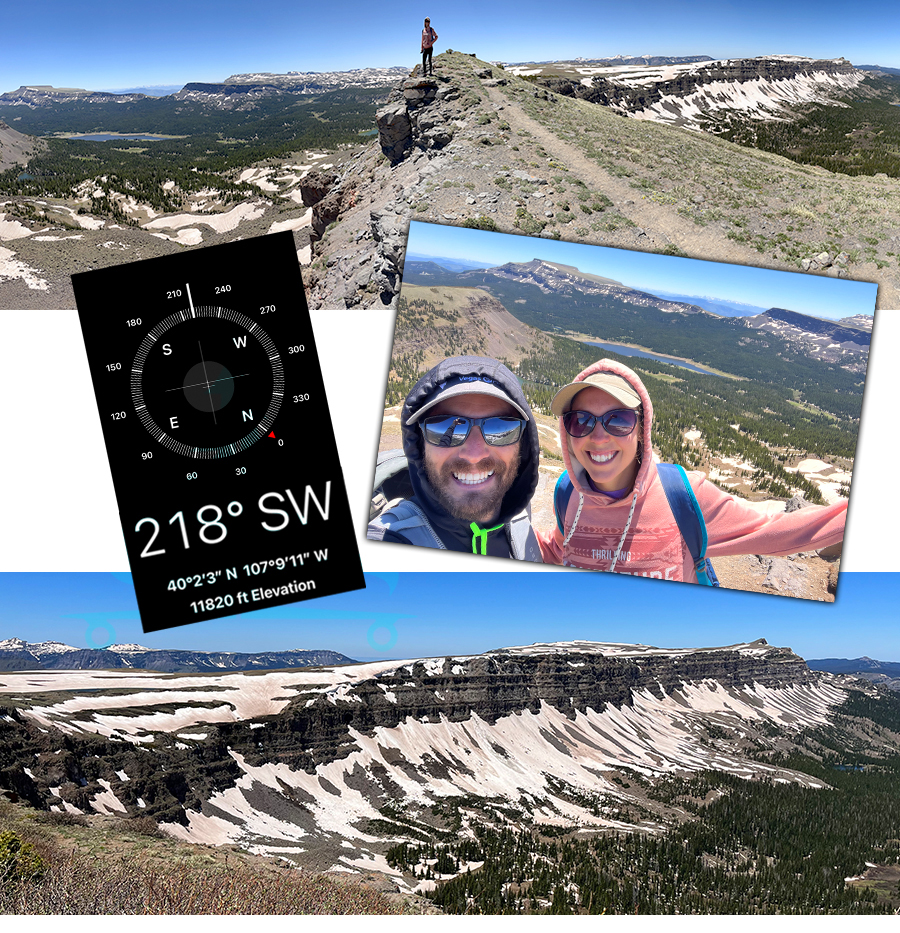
(271, 434)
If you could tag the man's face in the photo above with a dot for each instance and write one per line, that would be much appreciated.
(471, 480)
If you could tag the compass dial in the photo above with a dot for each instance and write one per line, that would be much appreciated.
(207, 382)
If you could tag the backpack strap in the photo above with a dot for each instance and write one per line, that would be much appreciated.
(523, 544)
(561, 495)
(407, 519)
(688, 517)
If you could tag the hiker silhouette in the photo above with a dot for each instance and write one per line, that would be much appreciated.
(429, 37)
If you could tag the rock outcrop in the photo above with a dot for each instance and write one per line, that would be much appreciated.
(410, 119)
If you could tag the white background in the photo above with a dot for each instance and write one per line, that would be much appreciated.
(58, 510)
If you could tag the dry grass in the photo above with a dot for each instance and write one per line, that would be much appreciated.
(76, 885)
(97, 865)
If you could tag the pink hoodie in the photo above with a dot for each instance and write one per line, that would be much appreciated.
(653, 546)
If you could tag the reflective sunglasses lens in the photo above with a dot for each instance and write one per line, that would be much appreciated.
(447, 431)
(620, 422)
(579, 423)
(501, 432)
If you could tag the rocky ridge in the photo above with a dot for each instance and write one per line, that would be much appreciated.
(829, 341)
(481, 147)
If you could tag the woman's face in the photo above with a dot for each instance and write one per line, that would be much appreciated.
(610, 461)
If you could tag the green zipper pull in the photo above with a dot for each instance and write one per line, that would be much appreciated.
(481, 533)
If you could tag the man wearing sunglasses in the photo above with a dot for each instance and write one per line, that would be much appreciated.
(472, 449)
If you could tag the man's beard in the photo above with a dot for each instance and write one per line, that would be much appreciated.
(472, 506)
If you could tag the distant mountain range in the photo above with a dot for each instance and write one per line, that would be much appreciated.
(443, 262)
(19, 655)
(294, 82)
(885, 673)
(843, 342)
(719, 306)
(618, 60)
(884, 68)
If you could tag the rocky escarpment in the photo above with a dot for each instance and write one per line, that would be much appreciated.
(52, 770)
(678, 94)
(71, 753)
(830, 341)
(311, 732)
(330, 767)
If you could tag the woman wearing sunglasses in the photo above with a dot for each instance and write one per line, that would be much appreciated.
(618, 517)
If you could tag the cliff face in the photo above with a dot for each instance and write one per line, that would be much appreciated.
(496, 685)
(686, 95)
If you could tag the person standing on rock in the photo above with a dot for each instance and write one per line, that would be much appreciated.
(471, 451)
(429, 37)
(618, 510)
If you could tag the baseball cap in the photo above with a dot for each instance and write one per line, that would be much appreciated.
(617, 386)
(468, 384)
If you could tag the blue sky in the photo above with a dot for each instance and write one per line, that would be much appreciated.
(808, 294)
(102, 44)
(426, 614)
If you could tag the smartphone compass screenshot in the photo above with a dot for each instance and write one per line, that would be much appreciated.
(217, 430)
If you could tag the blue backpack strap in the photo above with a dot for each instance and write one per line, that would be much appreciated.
(561, 496)
(689, 518)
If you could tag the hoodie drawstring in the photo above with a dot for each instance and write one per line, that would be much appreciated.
(575, 520)
(612, 566)
(481, 534)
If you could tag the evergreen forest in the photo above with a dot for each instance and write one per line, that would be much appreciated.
(743, 846)
(210, 143)
(860, 137)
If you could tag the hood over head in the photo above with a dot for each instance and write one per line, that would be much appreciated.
(647, 467)
(422, 393)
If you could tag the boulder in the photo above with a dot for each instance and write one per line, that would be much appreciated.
(328, 210)
(394, 130)
(785, 576)
(417, 91)
(432, 131)
(315, 186)
(798, 502)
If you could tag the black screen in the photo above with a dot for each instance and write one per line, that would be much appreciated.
(218, 433)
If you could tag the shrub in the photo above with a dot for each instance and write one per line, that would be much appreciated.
(19, 861)
(481, 222)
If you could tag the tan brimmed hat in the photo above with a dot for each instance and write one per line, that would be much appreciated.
(618, 387)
